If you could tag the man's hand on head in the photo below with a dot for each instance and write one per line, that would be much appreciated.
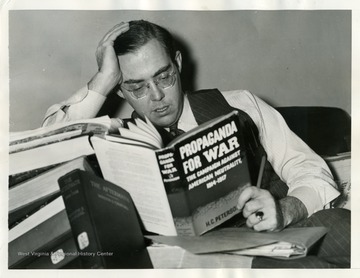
(109, 73)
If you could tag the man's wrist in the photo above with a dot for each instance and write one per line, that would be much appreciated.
(292, 210)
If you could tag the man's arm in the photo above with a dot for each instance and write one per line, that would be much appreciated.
(311, 186)
(87, 102)
(84, 104)
(109, 74)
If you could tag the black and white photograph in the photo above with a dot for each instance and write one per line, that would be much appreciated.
(214, 139)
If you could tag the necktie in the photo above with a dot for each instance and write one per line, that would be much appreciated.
(174, 131)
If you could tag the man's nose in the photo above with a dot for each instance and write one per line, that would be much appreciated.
(156, 94)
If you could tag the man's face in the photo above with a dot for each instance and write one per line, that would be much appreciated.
(144, 68)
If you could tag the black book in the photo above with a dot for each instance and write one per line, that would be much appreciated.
(104, 222)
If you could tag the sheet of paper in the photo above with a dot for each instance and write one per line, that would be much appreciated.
(230, 239)
(211, 244)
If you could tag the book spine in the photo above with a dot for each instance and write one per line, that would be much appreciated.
(74, 195)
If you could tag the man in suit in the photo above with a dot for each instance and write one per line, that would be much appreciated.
(140, 61)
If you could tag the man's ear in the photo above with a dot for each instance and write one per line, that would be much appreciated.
(178, 60)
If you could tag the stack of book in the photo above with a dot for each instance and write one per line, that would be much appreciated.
(38, 223)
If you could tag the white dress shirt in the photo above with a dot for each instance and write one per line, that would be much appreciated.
(306, 173)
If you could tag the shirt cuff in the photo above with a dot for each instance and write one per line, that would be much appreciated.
(310, 198)
(96, 95)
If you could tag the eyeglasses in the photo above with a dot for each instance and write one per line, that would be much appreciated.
(164, 81)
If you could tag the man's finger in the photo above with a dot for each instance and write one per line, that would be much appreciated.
(251, 207)
(252, 220)
(247, 194)
(116, 31)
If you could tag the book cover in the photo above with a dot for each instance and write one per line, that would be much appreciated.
(24, 176)
(37, 232)
(42, 186)
(189, 186)
(104, 222)
(49, 154)
(50, 145)
(61, 254)
(26, 196)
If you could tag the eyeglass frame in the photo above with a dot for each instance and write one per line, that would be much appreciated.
(156, 82)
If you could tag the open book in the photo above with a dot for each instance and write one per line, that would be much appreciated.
(42, 147)
(187, 187)
(24, 140)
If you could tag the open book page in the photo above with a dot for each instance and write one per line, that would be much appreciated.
(130, 134)
(95, 125)
(123, 140)
(149, 128)
(136, 170)
(142, 131)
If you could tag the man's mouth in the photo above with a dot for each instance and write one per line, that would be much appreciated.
(161, 109)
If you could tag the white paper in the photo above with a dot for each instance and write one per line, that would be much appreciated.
(117, 162)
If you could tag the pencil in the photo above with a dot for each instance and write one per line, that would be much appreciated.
(261, 171)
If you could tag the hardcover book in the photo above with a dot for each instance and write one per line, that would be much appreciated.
(62, 254)
(46, 146)
(104, 222)
(40, 231)
(27, 196)
(24, 140)
(189, 186)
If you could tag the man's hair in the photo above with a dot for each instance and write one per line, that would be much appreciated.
(141, 32)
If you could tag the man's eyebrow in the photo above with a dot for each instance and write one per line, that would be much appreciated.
(159, 71)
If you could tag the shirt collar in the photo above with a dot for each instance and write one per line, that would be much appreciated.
(187, 120)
